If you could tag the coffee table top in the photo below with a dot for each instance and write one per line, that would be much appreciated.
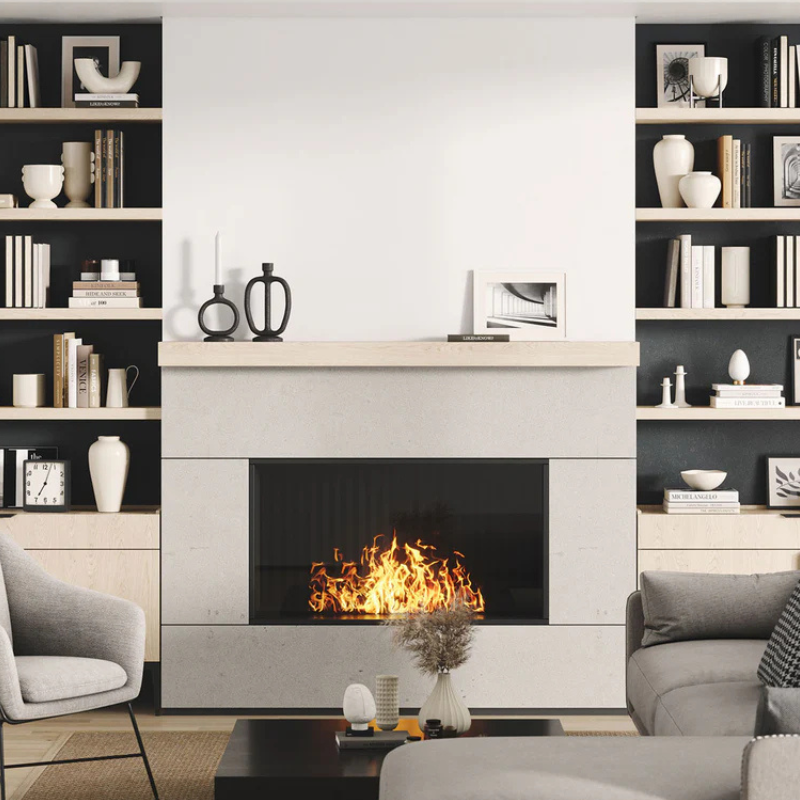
(271, 749)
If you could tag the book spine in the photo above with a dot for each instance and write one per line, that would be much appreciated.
(780, 272)
(697, 276)
(764, 72)
(4, 74)
(725, 159)
(19, 482)
(745, 402)
(119, 293)
(37, 276)
(680, 496)
(84, 352)
(796, 271)
(792, 76)
(58, 367)
(19, 298)
(95, 375)
(20, 76)
(736, 174)
(116, 171)
(748, 177)
(686, 270)
(478, 337)
(103, 170)
(12, 69)
(711, 504)
(106, 104)
(715, 510)
(789, 267)
(122, 169)
(744, 392)
(97, 302)
(9, 271)
(110, 199)
(775, 75)
(72, 373)
(132, 285)
(133, 96)
(125, 279)
(709, 276)
(671, 275)
(45, 275)
(98, 161)
(28, 261)
(783, 81)
(65, 369)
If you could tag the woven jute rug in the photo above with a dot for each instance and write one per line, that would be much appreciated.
(183, 765)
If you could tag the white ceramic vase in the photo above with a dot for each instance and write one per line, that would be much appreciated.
(109, 459)
(387, 702)
(700, 189)
(673, 157)
(735, 276)
(77, 158)
(444, 704)
(42, 182)
(709, 75)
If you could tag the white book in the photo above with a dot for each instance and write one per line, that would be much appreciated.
(45, 274)
(701, 504)
(709, 279)
(130, 97)
(72, 372)
(9, 271)
(789, 262)
(747, 402)
(28, 280)
(12, 71)
(19, 298)
(95, 276)
(679, 510)
(102, 302)
(783, 66)
(721, 387)
(20, 77)
(32, 73)
(792, 75)
(736, 174)
(37, 275)
(686, 270)
(696, 495)
(752, 393)
(22, 457)
(780, 272)
(697, 276)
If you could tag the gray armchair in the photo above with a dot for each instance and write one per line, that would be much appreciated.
(63, 649)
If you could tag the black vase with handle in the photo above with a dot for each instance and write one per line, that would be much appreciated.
(268, 334)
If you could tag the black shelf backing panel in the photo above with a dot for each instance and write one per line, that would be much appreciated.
(652, 239)
(72, 242)
(740, 448)
(138, 42)
(73, 440)
(735, 42)
(28, 347)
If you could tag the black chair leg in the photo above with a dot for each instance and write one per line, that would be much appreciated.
(141, 750)
(2, 765)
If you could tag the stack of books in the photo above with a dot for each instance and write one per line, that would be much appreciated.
(86, 100)
(690, 273)
(105, 294)
(27, 267)
(786, 271)
(778, 69)
(77, 373)
(109, 166)
(751, 395)
(689, 501)
(735, 172)
(19, 75)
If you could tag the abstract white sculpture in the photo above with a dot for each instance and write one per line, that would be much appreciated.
(739, 367)
(97, 83)
(358, 706)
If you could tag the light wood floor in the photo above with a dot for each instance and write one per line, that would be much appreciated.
(39, 741)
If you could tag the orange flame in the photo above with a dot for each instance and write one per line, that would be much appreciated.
(396, 580)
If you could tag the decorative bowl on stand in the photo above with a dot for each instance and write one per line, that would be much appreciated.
(704, 480)
(42, 183)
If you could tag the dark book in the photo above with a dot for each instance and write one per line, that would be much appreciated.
(774, 73)
(117, 170)
(748, 178)
(763, 72)
(121, 169)
(380, 740)
(98, 154)
(478, 337)
(671, 278)
(4, 74)
(106, 104)
(111, 201)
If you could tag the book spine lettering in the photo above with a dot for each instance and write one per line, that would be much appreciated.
(709, 277)
(58, 366)
(686, 270)
(697, 276)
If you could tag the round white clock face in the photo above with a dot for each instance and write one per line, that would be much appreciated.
(45, 483)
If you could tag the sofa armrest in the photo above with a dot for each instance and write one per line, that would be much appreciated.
(634, 624)
(10, 692)
(778, 711)
(771, 768)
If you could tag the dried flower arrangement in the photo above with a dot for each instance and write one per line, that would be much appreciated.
(439, 640)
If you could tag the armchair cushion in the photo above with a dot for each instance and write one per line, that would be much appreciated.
(778, 711)
(5, 614)
(43, 679)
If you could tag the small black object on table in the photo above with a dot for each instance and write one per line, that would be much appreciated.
(298, 758)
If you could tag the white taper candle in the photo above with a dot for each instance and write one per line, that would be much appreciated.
(218, 260)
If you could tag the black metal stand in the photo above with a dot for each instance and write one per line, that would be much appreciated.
(268, 334)
(218, 299)
(141, 754)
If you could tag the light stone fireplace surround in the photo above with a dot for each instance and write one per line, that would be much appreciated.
(216, 418)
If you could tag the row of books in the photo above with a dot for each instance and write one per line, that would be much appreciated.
(86, 100)
(683, 501)
(786, 271)
(691, 274)
(12, 460)
(19, 75)
(778, 70)
(109, 161)
(27, 268)
(77, 373)
(105, 294)
(751, 395)
(735, 171)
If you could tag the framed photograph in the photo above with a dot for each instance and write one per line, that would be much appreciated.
(103, 49)
(783, 482)
(672, 73)
(529, 306)
(786, 170)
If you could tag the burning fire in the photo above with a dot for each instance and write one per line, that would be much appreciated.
(392, 581)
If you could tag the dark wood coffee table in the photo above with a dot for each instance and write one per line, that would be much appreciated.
(298, 758)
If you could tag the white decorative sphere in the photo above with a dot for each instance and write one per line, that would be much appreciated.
(739, 367)
(358, 706)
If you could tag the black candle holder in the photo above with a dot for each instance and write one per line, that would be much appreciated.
(268, 334)
(218, 299)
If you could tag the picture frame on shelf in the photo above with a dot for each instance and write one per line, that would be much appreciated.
(527, 305)
(105, 50)
(786, 170)
(783, 482)
(672, 74)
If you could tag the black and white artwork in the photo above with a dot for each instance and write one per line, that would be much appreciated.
(529, 306)
(786, 170)
(104, 50)
(672, 70)
(783, 482)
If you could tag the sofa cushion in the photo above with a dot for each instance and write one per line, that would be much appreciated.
(778, 712)
(709, 709)
(5, 614)
(680, 606)
(46, 678)
(780, 665)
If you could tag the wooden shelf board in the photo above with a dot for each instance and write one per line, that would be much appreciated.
(88, 115)
(720, 116)
(84, 314)
(80, 214)
(64, 414)
(717, 313)
(707, 413)
(84, 510)
(743, 510)
(718, 214)
(398, 354)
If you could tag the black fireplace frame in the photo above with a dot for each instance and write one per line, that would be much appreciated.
(253, 522)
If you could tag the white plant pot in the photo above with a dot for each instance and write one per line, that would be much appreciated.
(387, 702)
(42, 182)
(673, 157)
(709, 75)
(444, 704)
(77, 158)
(109, 459)
(735, 276)
(700, 189)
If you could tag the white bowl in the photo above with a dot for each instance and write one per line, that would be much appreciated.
(704, 480)
(709, 75)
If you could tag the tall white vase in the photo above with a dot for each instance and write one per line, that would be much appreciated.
(444, 704)
(77, 158)
(387, 702)
(673, 157)
(109, 459)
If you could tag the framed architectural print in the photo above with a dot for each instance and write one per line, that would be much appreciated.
(103, 49)
(672, 74)
(528, 306)
(786, 170)
(783, 482)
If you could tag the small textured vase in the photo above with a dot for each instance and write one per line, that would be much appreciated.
(387, 702)
(109, 459)
(700, 189)
(444, 704)
(735, 276)
(673, 157)
(77, 158)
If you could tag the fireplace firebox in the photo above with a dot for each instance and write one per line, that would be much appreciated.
(355, 540)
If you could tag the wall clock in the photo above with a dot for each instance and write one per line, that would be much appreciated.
(47, 485)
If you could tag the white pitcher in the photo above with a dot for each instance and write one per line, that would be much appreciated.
(118, 391)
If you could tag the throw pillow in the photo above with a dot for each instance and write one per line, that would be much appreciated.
(780, 665)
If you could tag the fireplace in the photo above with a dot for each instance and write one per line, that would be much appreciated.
(353, 540)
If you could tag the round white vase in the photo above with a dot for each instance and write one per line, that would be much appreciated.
(109, 459)
(673, 157)
(700, 189)
(445, 705)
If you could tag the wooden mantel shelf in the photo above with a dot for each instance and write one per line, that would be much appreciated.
(398, 354)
